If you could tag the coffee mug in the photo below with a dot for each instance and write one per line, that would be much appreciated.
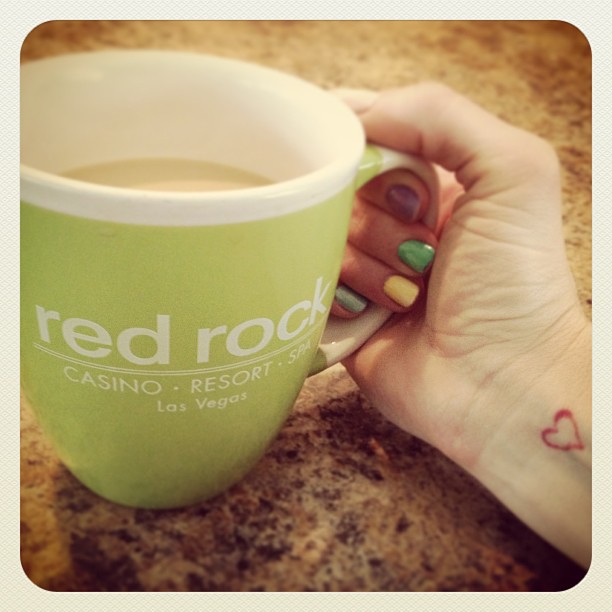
(169, 319)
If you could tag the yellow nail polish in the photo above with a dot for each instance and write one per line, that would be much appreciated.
(401, 290)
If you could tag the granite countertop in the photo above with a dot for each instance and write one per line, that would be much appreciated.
(343, 500)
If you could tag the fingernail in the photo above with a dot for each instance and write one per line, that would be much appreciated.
(350, 300)
(416, 254)
(404, 202)
(401, 290)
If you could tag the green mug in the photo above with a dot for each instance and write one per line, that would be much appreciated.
(166, 333)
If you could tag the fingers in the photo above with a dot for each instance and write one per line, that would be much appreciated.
(398, 192)
(389, 247)
(508, 181)
(485, 160)
(365, 279)
(407, 248)
(487, 155)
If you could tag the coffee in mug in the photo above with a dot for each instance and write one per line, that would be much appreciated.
(172, 174)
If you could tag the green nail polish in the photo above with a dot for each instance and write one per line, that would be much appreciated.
(350, 300)
(416, 254)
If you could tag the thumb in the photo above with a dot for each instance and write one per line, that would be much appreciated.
(494, 162)
(359, 100)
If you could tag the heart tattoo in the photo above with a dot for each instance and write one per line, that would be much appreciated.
(564, 434)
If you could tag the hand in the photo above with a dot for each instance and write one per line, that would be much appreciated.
(498, 354)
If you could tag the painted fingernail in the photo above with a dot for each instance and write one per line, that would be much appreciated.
(401, 290)
(416, 254)
(350, 300)
(404, 202)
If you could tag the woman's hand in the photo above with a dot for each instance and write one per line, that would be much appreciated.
(493, 366)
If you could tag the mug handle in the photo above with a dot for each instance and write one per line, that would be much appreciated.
(342, 337)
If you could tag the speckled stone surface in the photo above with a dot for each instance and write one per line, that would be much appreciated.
(343, 500)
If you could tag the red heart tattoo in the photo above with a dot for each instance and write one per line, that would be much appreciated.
(564, 434)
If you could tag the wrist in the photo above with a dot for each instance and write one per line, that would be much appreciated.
(536, 456)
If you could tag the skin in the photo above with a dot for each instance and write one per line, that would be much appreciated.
(493, 367)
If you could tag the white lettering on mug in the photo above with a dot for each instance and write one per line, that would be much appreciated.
(90, 339)
(161, 337)
(232, 345)
(317, 304)
(282, 331)
(233, 339)
(107, 382)
(100, 336)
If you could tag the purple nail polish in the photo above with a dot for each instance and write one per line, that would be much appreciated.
(404, 202)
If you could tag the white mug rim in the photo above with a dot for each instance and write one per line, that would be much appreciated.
(136, 206)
